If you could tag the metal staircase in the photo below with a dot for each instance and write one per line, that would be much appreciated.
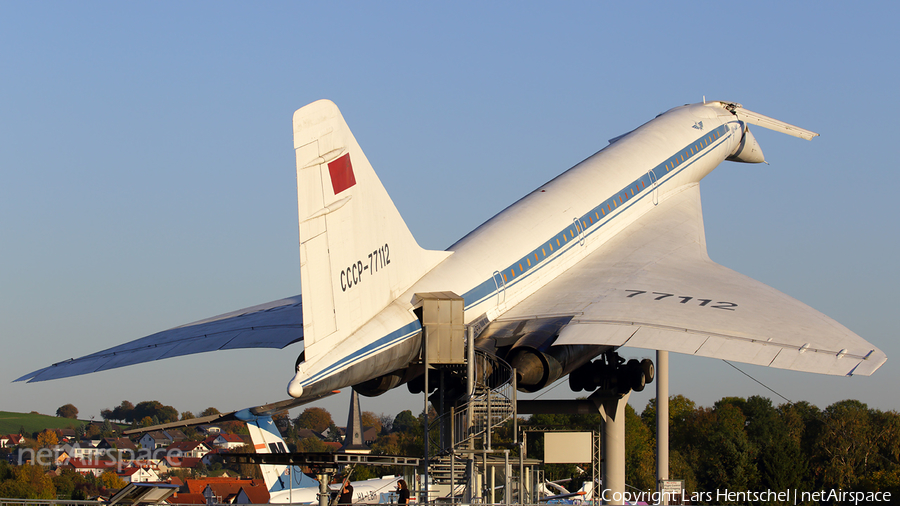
(469, 423)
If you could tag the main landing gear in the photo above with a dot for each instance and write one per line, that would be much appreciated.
(613, 375)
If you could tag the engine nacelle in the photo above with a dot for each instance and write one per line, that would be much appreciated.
(377, 386)
(535, 369)
(527, 345)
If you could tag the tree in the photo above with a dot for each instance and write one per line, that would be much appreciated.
(312, 444)
(67, 411)
(404, 421)
(107, 429)
(163, 413)
(209, 412)
(370, 419)
(721, 449)
(334, 434)
(35, 482)
(779, 463)
(843, 449)
(124, 412)
(640, 452)
(110, 479)
(316, 419)
(47, 438)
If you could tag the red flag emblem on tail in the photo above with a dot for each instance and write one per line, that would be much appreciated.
(341, 171)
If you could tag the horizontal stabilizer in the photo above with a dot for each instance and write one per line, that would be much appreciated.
(272, 325)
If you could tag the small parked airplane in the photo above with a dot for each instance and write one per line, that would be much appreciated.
(288, 484)
(610, 253)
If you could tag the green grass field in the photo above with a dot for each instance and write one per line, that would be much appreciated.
(10, 422)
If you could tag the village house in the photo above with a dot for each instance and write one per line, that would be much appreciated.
(92, 466)
(118, 448)
(223, 491)
(11, 440)
(307, 433)
(135, 474)
(66, 435)
(193, 449)
(228, 441)
(161, 438)
(83, 450)
(209, 429)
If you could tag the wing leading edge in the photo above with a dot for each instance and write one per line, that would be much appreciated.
(654, 286)
(275, 324)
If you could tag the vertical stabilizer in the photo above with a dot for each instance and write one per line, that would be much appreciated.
(356, 253)
(266, 438)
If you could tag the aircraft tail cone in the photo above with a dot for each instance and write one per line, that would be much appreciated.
(748, 151)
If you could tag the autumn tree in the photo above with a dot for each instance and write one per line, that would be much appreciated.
(316, 419)
(370, 419)
(30, 482)
(47, 438)
(67, 411)
(110, 479)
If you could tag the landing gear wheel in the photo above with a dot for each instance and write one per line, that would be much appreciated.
(649, 370)
(635, 375)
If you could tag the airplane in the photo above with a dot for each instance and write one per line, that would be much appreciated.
(288, 484)
(609, 253)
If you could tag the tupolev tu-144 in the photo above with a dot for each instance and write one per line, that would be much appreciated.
(610, 253)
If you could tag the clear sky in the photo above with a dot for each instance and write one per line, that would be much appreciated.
(148, 174)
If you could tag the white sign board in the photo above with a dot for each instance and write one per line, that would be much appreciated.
(568, 447)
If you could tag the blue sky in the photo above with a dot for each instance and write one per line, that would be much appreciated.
(148, 173)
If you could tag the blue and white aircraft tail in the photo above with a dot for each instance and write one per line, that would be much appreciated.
(288, 484)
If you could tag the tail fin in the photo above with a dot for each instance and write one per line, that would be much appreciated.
(356, 253)
(267, 439)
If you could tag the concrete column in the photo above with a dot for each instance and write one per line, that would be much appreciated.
(662, 418)
(613, 445)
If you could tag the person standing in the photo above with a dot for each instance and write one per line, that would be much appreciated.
(346, 497)
(403, 493)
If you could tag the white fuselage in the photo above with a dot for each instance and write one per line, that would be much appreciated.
(539, 237)
(364, 492)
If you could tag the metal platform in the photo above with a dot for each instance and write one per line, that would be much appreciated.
(321, 461)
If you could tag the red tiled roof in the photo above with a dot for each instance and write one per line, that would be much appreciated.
(224, 487)
(92, 464)
(257, 494)
(186, 498)
(186, 446)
